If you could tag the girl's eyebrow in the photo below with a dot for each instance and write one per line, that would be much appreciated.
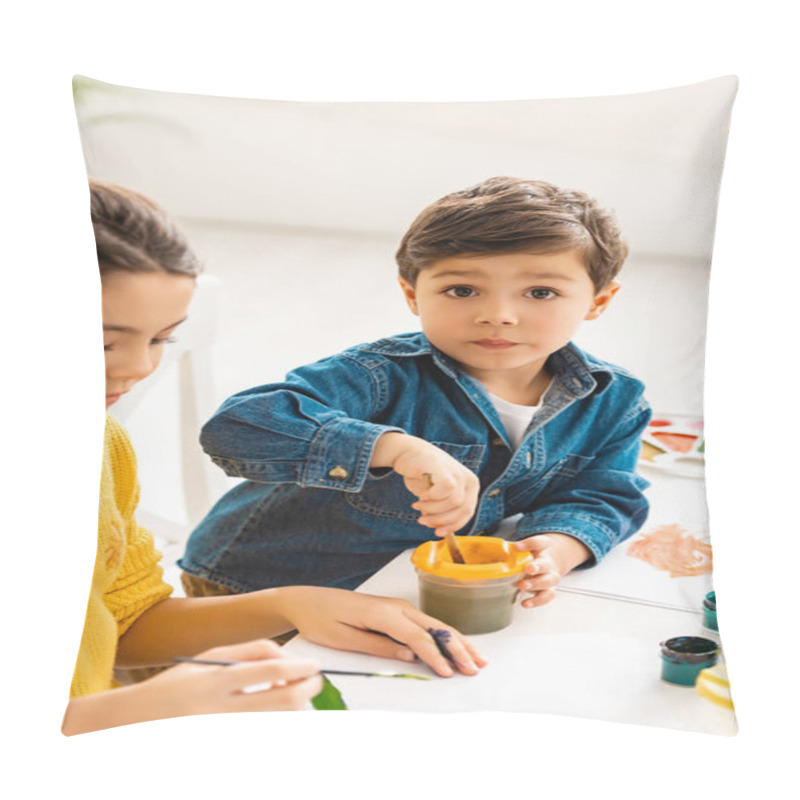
(127, 329)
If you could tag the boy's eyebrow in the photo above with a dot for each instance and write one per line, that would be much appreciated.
(127, 329)
(467, 273)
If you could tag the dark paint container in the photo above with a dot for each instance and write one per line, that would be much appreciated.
(710, 611)
(683, 657)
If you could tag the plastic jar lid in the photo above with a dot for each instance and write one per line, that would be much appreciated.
(486, 557)
(689, 649)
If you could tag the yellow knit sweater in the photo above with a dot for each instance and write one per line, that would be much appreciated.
(127, 578)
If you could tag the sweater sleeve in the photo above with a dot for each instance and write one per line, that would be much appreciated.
(139, 585)
(127, 579)
(138, 581)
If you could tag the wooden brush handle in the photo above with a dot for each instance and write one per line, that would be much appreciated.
(449, 538)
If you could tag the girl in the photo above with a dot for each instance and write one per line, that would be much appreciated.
(148, 275)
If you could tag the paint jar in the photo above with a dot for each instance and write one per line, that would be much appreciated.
(710, 611)
(477, 596)
(684, 657)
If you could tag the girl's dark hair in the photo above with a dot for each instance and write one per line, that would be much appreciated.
(510, 215)
(133, 234)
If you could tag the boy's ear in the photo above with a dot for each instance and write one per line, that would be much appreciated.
(602, 300)
(410, 293)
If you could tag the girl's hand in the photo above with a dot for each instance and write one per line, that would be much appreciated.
(554, 555)
(380, 626)
(447, 491)
(188, 689)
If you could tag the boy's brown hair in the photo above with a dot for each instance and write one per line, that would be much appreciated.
(511, 215)
(134, 234)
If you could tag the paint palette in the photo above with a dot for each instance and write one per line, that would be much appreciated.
(674, 443)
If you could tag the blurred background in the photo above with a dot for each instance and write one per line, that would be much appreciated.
(297, 208)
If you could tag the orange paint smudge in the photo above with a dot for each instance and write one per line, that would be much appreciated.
(679, 442)
(671, 549)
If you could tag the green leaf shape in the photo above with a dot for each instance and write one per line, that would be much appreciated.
(329, 699)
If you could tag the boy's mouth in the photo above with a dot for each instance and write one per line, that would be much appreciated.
(495, 344)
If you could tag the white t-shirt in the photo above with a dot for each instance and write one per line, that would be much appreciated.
(516, 418)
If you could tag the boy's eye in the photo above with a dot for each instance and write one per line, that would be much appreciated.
(541, 294)
(165, 340)
(460, 291)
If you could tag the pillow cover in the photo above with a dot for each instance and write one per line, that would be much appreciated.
(298, 208)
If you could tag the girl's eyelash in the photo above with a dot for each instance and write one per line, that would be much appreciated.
(166, 340)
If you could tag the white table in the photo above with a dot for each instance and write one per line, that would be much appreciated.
(584, 655)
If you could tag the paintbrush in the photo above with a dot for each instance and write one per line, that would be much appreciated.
(450, 540)
(217, 663)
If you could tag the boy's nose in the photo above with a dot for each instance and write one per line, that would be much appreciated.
(497, 315)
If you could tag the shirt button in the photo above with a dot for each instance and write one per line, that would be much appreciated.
(339, 473)
(494, 493)
(497, 441)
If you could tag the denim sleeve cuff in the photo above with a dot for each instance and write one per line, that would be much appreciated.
(586, 528)
(339, 454)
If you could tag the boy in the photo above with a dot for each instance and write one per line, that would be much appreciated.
(489, 413)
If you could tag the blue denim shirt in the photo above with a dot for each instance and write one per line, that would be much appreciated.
(312, 511)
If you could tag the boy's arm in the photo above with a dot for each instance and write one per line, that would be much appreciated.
(604, 503)
(313, 429)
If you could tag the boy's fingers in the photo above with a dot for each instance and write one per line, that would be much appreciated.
(540, 599)
(534, 544)
(546, 581)
(455, 519)
(456, 499)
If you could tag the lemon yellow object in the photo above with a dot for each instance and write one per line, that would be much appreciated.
(713, 684)
(127, 578)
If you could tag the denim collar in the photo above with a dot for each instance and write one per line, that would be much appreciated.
(577, 372)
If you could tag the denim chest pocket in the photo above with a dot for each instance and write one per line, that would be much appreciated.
(560, 473)
(385, 495)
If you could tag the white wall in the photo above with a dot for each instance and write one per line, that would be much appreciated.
(299, 208)
(654, 157)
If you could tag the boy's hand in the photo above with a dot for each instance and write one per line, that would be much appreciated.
(554, 555)
(447, 491)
